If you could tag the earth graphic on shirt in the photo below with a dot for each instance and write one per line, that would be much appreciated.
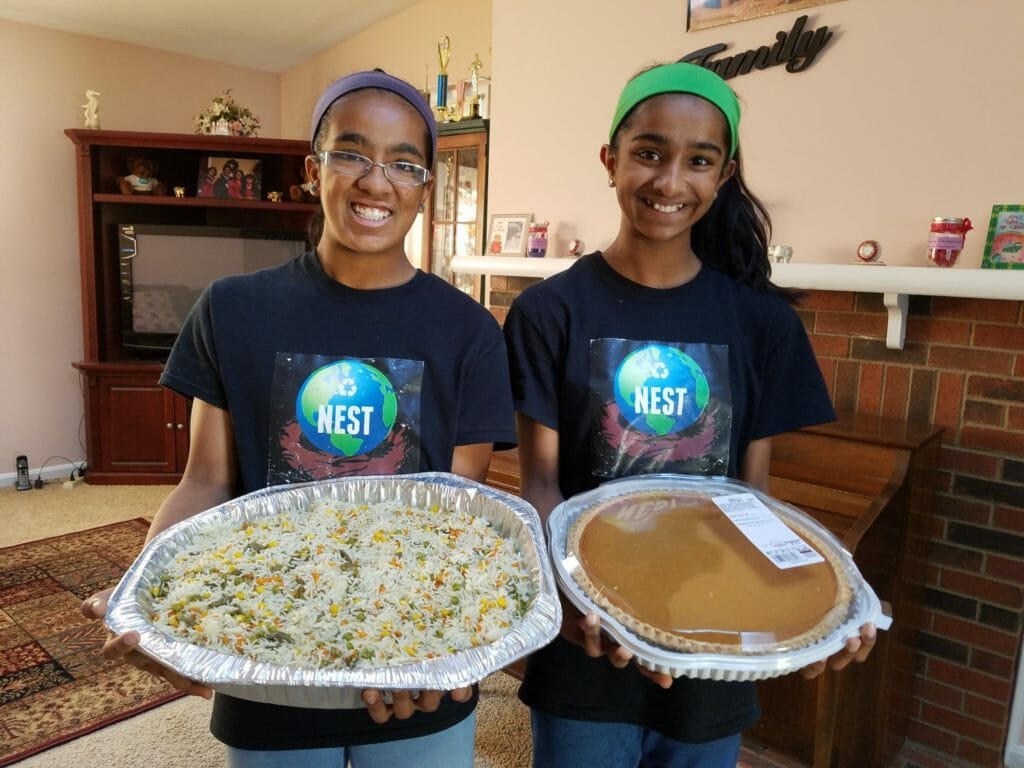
(660, 390)
(346, 408)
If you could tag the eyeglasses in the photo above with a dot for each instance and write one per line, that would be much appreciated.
(353, 164)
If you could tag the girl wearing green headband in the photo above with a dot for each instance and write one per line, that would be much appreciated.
(668, 351)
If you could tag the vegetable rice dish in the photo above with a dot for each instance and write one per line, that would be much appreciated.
(344, 586)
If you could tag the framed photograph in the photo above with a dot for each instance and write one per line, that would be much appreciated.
(702, 14)
(229, 178)
(507, 234)
(1004, 246)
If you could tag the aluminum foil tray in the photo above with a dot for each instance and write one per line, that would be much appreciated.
(334, 688)
(864, 606)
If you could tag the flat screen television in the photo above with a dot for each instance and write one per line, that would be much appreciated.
(164, 268)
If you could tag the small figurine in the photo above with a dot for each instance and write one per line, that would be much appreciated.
(91, 108)
(474, 77)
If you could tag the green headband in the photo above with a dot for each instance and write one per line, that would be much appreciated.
(680, 77)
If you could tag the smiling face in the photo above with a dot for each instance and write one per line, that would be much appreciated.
(369, 214)
(669, 158)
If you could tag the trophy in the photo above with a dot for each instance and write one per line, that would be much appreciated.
(474, 77)
(444, 53)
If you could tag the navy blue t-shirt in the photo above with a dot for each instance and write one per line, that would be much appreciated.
(324, 381)
(639, 380)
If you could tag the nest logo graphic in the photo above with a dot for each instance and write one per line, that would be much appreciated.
(346, 408)
(660, 390)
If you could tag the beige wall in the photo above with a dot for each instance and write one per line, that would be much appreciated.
(913, 110)
(40, 313)
(405, 45)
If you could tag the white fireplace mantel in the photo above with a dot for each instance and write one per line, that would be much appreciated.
(896, 284)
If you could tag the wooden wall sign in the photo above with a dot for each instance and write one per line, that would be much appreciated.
(797, 49)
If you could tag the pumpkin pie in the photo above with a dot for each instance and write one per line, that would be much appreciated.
(671, 567)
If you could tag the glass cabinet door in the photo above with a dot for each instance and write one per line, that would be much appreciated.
(457, 210)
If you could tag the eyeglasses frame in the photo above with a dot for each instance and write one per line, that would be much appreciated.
(323, 156)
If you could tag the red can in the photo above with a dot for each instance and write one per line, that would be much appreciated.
(946, 240)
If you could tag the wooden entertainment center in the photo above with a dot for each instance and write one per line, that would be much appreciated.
(136, 431)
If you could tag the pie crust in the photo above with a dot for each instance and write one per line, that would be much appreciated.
(674, 570)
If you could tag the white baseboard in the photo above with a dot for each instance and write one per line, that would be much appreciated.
(50, 472)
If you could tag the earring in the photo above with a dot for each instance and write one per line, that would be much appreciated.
(611, 182)
(314, 188)
(422, 207)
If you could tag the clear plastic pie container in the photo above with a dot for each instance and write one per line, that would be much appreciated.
(761, 659)
(332, 687)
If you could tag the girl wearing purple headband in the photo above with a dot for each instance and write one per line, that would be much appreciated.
(258, 354)
(680, 301)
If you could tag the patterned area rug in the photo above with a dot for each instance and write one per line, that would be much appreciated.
(54, 684)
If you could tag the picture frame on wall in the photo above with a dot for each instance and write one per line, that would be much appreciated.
(229, 178)
(507, 234)
(703, 14)
(1004, 245)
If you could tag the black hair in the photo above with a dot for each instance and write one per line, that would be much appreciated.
(733, 236)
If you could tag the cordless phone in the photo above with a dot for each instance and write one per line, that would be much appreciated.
(23, 483)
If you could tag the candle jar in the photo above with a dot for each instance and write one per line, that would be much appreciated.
(946, 240)
(537, 242)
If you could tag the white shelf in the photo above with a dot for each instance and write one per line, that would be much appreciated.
(896, 284)
(915, 281)
(510, 266)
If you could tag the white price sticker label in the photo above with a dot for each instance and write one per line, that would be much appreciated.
(766, 531)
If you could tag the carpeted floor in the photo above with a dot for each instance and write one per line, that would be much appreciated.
(54, 684)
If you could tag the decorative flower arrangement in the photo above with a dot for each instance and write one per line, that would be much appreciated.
(227, 117)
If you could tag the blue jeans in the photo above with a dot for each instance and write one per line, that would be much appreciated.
(562, 743)
(450, 748)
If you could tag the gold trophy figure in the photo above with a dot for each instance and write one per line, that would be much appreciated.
(474, 78)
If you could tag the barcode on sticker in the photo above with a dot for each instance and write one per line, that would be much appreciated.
(766, 531)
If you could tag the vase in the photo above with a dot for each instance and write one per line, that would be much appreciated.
(221, 128)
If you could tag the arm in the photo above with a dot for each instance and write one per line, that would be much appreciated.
(472, 461)
(757, 463)
(538, 465)
(211, 470)
(208, 480)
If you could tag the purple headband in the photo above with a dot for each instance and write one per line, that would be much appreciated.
(375, 79)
